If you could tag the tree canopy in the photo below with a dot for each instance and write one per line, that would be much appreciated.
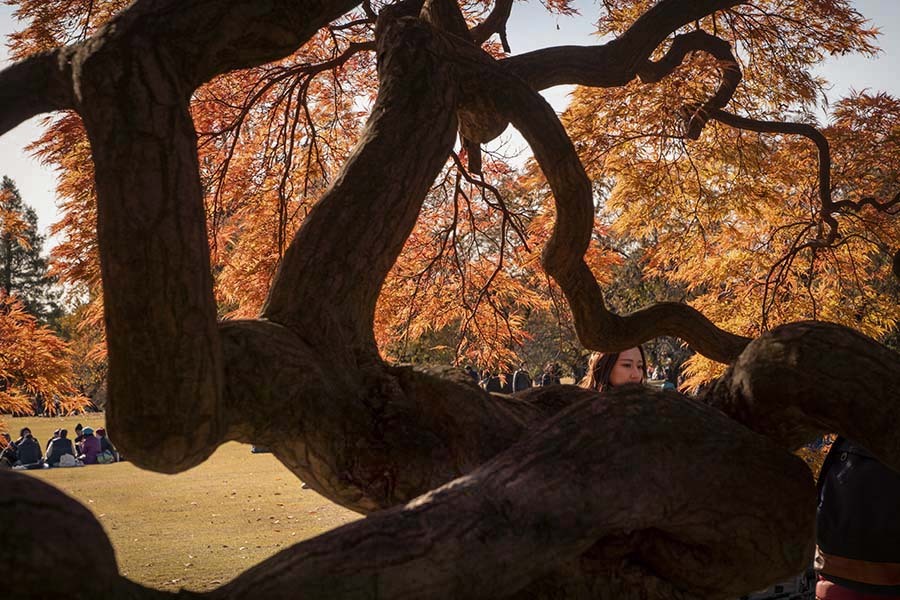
(279, 195)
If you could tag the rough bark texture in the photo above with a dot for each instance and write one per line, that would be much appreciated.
(552, 493)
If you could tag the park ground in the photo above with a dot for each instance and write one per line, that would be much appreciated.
(198, 529)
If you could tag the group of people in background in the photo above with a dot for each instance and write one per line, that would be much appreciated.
(89, 447)
(521, 379)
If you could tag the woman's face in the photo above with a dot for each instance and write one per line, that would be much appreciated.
(629, 368)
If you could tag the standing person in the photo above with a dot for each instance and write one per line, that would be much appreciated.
(90, 447)
(857, 526)
(58, 446)
(521, 380)
(491, 383)
(550, 376)
(611, 369)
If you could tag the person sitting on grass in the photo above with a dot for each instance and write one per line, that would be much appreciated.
(90, 447)
(79, 437)
(29, 451)
(58, 447)
(8, 454)
(50, 441)
(108, 452)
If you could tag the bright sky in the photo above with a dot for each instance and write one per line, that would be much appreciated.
(529, 28)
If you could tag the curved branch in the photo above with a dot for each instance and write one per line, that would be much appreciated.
(716, 47)
(807, 131)
(617, 62)
(493, 95)
(35, 85)
(328, 282)
(494, 23)
(829, 207)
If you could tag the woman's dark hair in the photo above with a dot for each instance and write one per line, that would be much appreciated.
(600, 366)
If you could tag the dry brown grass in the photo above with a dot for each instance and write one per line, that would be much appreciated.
(197, 529)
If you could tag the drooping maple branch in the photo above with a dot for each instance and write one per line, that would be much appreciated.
(828, 206)
(699, 115)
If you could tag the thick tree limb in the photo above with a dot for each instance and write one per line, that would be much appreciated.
(367, 437)
(801, 380)
(38, 84)
(210, 38)
(42, 537)
(617, 472)
(616, 476)
(241, 34)
(328, 282)
(165, 356)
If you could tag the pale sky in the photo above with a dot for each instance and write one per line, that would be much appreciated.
(529, 28)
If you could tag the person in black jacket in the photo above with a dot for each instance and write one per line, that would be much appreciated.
(59, 446)
(857, 526)
(29, 450)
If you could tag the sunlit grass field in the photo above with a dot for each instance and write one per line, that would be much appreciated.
(197, 529)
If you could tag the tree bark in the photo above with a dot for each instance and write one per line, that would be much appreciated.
(555, 492)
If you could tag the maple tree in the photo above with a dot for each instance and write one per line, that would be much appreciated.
(292, 167)
(35, 363)
(36, 373)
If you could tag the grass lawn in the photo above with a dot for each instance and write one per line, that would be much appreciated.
(197, 529)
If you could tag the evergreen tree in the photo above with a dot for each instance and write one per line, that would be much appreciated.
(23, 269)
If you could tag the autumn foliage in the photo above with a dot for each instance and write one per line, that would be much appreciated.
(35, 363)
(725, 217)
(36, 373)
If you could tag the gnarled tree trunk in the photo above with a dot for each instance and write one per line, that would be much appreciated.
(552, 493)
